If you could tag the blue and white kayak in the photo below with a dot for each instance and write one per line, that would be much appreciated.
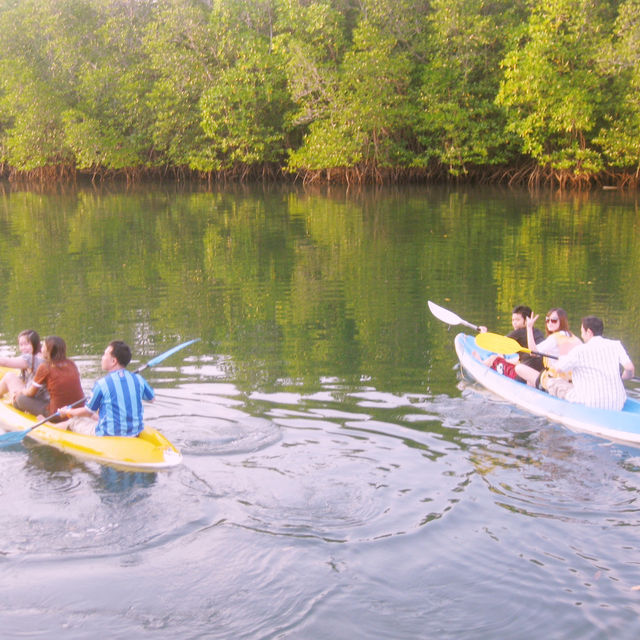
(619, 426)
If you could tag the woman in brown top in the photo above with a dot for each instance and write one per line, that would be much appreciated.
(58, 374)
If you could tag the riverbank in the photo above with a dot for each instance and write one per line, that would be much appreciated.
(525, 175)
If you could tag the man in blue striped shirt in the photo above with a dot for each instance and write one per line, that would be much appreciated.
(117, 398)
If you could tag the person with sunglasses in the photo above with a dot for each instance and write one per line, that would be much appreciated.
(558, 342)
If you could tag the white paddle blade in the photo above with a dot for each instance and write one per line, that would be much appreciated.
(448, 316)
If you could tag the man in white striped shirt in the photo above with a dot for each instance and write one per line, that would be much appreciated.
(595, 368)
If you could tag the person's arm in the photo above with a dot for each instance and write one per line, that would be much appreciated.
(14, 363)
(562, 364)
(39, 380)
(538, 335)
(628, 370)
(89, 409)
(68, 412)
(148, 393)
(32, 388)
(567, 362)
(531, 340)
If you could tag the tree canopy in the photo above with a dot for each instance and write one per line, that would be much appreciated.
(322, 89)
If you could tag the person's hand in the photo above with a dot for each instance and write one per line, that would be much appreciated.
(532, 320)
(482, 329)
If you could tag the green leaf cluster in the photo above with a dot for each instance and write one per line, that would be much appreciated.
(309, 86)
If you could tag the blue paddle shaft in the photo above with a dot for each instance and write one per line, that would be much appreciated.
(158, 359)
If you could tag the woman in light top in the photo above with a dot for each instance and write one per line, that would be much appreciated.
(558, 342)
(30, 358)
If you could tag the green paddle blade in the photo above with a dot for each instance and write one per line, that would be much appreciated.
(499, 344)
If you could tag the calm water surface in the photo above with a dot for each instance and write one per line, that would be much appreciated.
(340, 479)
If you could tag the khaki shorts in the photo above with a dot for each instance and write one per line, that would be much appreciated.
(558, 387)
(84, 425)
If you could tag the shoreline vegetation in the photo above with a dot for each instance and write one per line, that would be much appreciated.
(527, 175)
(519, 92)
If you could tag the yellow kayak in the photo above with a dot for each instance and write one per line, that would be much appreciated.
(150, 451)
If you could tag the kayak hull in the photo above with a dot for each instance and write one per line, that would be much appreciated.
(149, 451)
(619, 426)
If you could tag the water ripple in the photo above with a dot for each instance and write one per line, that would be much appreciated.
(393, 507)
(344, 483)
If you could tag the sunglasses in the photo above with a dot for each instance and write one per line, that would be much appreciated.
(552, 319)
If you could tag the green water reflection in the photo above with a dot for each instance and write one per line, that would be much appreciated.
(293, 286)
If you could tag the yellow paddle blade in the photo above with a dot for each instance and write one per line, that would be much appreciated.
(499, 344)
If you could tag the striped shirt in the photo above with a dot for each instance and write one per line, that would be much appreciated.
(595, 369)
(118, 400)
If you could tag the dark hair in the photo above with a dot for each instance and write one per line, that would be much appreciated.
(33, 338)
(56, 348)
(121, 352)
(594, 323)
(523, 310)
(563, 325)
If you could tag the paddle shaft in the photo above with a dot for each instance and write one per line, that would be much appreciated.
(16, 437)
(537, 353)
(475, 327)
(164, 355)
(448, 316)
(52, 416)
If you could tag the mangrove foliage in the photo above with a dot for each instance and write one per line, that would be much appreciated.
(537, 91)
